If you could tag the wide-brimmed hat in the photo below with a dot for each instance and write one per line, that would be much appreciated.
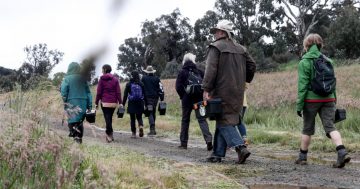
(224, 25)
(149, 69)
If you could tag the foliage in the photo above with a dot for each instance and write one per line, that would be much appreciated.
(37, 65)
(131, 56)
(284, 58)
(258, 55)
(252, 19)
(31, 156)
(7, 78)
(344, 33)
(40, 60)
(202, 37)
(165, 39)
(171, 70)
(58, 77)
(301, 17)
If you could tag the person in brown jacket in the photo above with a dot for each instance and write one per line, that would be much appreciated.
(228, 67)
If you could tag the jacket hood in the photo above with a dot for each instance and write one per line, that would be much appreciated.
(107, 76)
(312, 53)
(189, 65)
(74, 68)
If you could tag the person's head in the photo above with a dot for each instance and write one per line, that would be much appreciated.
(74, 68)
(106, 69)
(189, 57)
(135, 77)
(312, 39)
(224, 28)
(149, 70)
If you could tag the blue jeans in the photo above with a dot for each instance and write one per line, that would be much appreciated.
(226, 136)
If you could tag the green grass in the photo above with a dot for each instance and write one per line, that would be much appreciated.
(292, 65)
(31, 156)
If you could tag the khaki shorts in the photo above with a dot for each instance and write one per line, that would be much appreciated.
(326, 112)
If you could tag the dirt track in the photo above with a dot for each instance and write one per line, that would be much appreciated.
(271, 166)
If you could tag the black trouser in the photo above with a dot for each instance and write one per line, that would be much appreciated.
(108, 114)
(152, 114)
(132, 121)
(185, 122)
(76, 129)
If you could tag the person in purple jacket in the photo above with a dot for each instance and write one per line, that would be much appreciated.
(109, 93)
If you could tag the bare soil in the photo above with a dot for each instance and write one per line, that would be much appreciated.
(267, 167)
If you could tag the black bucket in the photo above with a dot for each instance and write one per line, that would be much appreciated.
(90, 116)
(213, 108)
(120, 112)
(340, 115)
(162, 108)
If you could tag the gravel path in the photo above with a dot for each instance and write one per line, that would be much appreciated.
(272, 166)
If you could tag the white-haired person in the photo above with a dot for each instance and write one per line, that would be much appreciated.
(188, 71)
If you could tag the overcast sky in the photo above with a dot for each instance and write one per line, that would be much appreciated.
(78, 27)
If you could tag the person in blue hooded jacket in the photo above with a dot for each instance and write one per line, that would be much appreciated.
(77, 99)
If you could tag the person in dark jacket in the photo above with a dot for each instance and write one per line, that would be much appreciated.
(309, 104)
(153, 90)
(77, 98)
(228, 67)
(187, 101)
(135, 92)
(109, 93)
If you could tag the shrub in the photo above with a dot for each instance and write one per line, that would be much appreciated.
(171, 70)
(283, 57)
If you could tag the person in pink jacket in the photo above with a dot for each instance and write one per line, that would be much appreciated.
(109, 93)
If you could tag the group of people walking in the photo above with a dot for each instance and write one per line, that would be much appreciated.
(141, 95)
(229, 70)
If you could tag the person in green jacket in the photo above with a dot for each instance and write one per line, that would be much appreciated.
(309, 104)
(77, 99)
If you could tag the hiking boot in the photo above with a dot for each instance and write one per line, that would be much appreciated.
(71, 134)
(342, 159)
(141, 132)
(243, 154)
(133, 135)
(183, 146)
(213, 159)
(152, 130)
(301, 161)
(209, 146)
(108, 138)
(152, 133)
(78, 140)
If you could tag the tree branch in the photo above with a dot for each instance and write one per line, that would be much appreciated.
(310, 27)
(310, 6)
(290, 19)
(289, 8)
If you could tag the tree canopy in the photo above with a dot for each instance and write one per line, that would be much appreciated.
(273, 30)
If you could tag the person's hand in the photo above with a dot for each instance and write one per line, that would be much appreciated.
(206, 95)
(299, 113)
